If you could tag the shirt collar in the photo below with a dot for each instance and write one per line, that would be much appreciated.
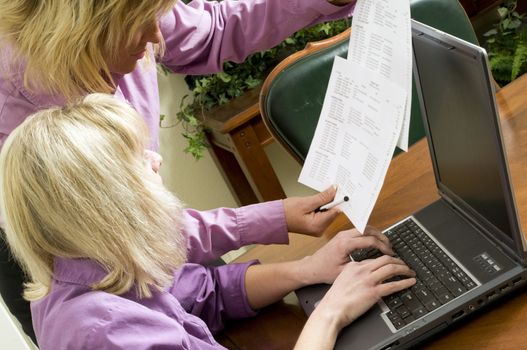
(40, 100)
(78, 271)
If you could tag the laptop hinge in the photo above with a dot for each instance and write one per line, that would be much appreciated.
(488, 234)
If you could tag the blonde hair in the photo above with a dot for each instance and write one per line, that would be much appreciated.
(74, 183)
(64, 43)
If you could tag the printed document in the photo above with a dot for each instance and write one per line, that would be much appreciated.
(366, 109)
(381, 40)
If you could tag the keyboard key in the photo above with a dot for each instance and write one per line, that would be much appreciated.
(394, 303)
(425, 296)
(432, 305)
(419, 312)
(411, 301)
(396, 320)
(403, 311)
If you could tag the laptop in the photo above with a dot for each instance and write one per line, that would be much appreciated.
(467, 248)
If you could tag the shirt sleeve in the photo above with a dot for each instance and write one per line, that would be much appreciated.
(202, 35)
(214, 294)
(212, 233)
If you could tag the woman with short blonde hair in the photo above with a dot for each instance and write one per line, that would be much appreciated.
(56, 51)
(104, 245)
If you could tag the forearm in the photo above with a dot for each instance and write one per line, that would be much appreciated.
(200, 36)
(269, 283)
(319, 332)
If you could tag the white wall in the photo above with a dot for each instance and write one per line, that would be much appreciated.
(199, 183)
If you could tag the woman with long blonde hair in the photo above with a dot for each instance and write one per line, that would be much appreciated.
(105, 245)
(56, 51)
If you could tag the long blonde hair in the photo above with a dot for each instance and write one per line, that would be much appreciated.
(74, 184)
(65, 43)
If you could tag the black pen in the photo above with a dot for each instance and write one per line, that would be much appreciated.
(328, 206)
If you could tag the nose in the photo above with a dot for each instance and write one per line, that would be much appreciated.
(155, 160)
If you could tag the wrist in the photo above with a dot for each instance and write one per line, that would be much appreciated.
(306, 271)
(329, 317)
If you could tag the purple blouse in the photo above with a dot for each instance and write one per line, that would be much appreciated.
(73, 316)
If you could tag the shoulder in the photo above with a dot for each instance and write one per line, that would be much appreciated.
(89, 319)
(14, 106)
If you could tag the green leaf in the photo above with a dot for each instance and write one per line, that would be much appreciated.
(204, 82)
(491, 32)
(222, 99)
(519, 63)
(503, 12)
(505, 23)
(224, 77)
(515, 23)
(252, 83)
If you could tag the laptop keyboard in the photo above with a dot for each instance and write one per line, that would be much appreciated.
(439, 278)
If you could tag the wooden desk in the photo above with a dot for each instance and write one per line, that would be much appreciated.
(409, 186)
(237, 135)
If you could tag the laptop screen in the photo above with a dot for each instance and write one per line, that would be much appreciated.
(458, 101)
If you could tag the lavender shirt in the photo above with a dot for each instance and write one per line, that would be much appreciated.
(72, 316)
(184, 316)
(199, 37)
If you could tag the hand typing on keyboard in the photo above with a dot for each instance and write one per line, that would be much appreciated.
(373, 251)
(356, 285)
(328, 262)
(356, 289)
(365, 253)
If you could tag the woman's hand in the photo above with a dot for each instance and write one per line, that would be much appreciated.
(356, 289)
(328, 262)
(360, 285)
(300, 213)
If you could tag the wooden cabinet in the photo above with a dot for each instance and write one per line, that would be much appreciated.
(474, 7)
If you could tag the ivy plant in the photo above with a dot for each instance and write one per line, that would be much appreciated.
(213, 90)
(506, 44)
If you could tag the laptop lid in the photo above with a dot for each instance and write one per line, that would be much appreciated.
(456, 93)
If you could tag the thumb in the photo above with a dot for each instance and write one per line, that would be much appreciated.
(324, 197)
(323, 219)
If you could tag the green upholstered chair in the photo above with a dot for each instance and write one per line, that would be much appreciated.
(292, 95)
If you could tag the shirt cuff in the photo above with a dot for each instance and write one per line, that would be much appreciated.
(240, 307)
(263, 223)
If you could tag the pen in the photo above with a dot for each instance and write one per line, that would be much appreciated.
(328, 206)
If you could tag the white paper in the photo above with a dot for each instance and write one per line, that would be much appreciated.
(359, 125)
(381, 41)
